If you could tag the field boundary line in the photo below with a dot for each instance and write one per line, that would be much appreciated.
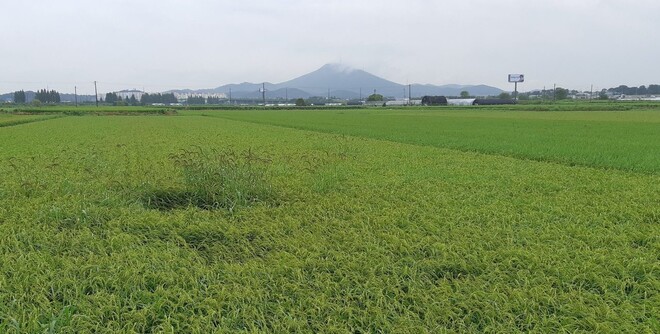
(27, 121)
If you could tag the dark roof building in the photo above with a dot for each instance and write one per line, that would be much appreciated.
(491, 102)
(434, 101)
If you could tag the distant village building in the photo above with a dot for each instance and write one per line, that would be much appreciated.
(638, 98)
(460, 102)
(184, 96)
(127, 93)
(403, 102)
(582, 96)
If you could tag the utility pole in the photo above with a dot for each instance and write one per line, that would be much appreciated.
(96, 95)
(591, 94)
(360, 93)
(515, 91)
(409, 94)
(554, 92)
(75, 93)
(543, 94)
(263, 93)
(230, 96)
(286, 95)
(328, 93)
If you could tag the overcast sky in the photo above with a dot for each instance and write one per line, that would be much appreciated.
(165, 44)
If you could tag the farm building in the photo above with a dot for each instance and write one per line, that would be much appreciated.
(403, 102)
(460, 102)
(434, 101)
(491, 102)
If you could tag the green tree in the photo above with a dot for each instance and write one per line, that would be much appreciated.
(196, 100)
(46, 96)
(19, 96)
(300, 102)
(41, 95)
(561, 93)
(504, 96)
(169, 98)
(465, 94)
(642, 90)
(375, 97)
(111, 98)
(603, 95)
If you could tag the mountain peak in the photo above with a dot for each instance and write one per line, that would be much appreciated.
(337, 68)
(344, 81)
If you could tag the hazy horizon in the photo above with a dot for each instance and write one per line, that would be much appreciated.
(164, 45)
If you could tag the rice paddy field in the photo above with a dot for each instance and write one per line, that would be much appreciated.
(419, 220)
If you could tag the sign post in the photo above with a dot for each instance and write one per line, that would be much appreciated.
(516, 78)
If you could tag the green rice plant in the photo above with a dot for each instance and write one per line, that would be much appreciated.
(217, 179)
(382, 234)
(625, 140)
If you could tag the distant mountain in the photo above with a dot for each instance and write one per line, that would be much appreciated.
(255, 94)
(342, 82)
(342, 78)
(336, 80)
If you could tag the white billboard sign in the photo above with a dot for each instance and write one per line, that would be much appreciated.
(516, 77)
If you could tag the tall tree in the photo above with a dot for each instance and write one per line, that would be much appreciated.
(375, 97)
(46, 96)
(561, 93)
(19, 96)
(111, 98)
(196, 99)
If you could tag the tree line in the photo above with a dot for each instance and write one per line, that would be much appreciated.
(145, 99)
(42, 95)
(52, 96)
(47, 96)
(641, 90)
(116, 99)
(167, 98)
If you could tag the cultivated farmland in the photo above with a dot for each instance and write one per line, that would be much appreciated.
(359, 220)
